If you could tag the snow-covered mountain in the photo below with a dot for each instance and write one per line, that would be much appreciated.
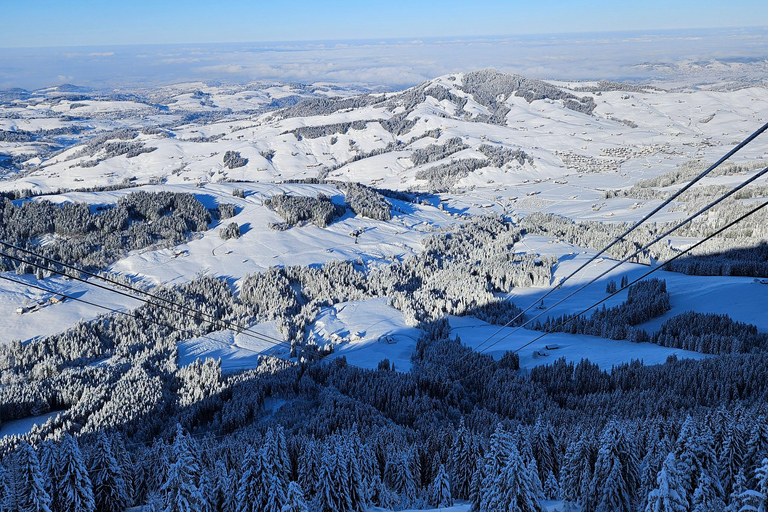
(304, 237)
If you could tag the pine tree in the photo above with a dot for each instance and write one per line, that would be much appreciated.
(309, 468)
(668, 496)
(613, 495)
(551, 487)
(757, 446)
(231, 503)
(47, 453)
(275, 495)
(761, 474)
(109, 490)
(732, 454)
(354, 482)
(30, 488)
(735, 500)
(512, 489)
(127, 465)
(576, 473)
(615, 478)
(462, 463)
(294, 502)
(254, 482)
(5, 491)
(181, 491)
(440, 490)
(704, 497)
(74, 491)
(331, 495)
(494, 463)
(477, 491)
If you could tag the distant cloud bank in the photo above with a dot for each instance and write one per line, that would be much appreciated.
(689, 56)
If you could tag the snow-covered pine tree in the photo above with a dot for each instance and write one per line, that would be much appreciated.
(440, 490)
(613, 496)
(688, 464)
(544, 449)
(30, 488)
(181, 491)
(275, 495)
(309, 468)
(616, 477)
(282, 457)
(354, 481)
(761, 474)
(477, 490)
(109, 490)
(331, 495)
(127, 465)
(551, 487)
(462, 463)
(74, 491)
(294, 501)
(732, 452)
(5, 491)
(577, 468)
(736, 499)
(230, 503)
(513, 490)
(757, 446)
(705, 498)
(494, 462)
(254, 483)
(47, 453)
(669, 494)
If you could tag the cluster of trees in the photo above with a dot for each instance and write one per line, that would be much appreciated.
(458, 426)
(326, 106)
(361, 199)
(688, 170)
(95, 240)
(710, 333)
(16, 136)
(435, 152)
(488, 85)
(741, 252)
(118, 148)
(364, 200)
(722, 259)
(645, 300)
(399, 124)
(98, 143)
(231, 230)
(233, 160)
(458, 273)
(315, 132)
(706, 333)
(440, 178)
(297, 209)
(499, 156)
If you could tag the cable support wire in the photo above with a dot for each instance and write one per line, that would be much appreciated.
(186, 311)
(594, 305)
(634, 254)
(113, 310)
(230, 325)
(664, 203)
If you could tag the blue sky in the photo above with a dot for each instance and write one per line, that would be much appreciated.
(43, 23)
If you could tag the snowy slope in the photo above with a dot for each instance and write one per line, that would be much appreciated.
(576, 157)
